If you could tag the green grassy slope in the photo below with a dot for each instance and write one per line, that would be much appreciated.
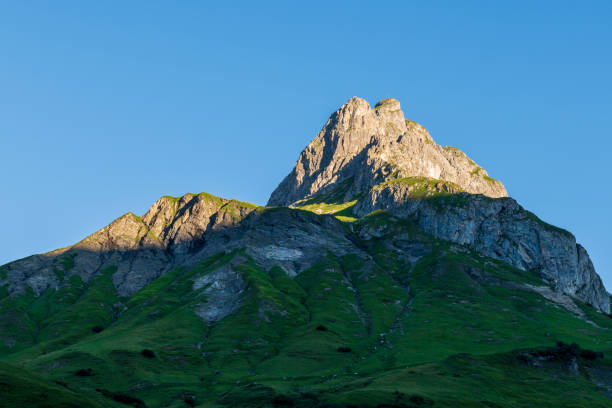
(20, 388)
(451, 328)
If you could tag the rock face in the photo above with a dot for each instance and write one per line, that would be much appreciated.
(499, 228)
(222, 290)
(142, 248)
(183, 232)
(365, 146)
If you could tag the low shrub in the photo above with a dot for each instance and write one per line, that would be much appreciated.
(561, 352)
(591, 355)
(283, 401)
(84, 372)
(128, 400)
(122, 398)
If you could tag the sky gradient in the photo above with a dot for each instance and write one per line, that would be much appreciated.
(106, 106)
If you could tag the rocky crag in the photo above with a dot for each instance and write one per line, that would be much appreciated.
(368, 146)
(383, 161)
(183, 231)
(499, 228)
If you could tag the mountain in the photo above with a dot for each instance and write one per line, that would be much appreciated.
(382, 161)
(386, 271)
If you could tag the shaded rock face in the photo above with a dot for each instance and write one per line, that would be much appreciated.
(142, 248)
(369, 146)
(184, 232)
(502, 229)
(291, 239)
(222, 289)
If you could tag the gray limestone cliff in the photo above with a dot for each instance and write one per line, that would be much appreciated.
(499, 228)
(368, 146)
(184, 232)
(141, 248)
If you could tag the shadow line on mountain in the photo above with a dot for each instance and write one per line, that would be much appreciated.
(290, 238)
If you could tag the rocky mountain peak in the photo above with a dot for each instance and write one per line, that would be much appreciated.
(390, 111)
(388, 102)
(364, 146)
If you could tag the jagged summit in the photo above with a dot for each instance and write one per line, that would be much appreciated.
(373, 145)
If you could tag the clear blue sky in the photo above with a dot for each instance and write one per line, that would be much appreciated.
(105, 106)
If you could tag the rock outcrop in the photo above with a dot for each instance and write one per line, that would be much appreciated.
(141, 248)
(183, 232)
(499, 228)
(365, 146)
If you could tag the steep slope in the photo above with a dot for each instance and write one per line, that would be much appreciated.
(495, 227)
(499, 228)
(378, 287)
(368, 146)
(20, 388)
(141, 248)
(371, 159)
(40, 293)
(384, 317)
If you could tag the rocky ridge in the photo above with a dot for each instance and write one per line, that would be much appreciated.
(142, 248)
(498, 228)
(183, 231)
(369, 160)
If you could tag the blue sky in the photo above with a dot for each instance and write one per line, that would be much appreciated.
(105, 106)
